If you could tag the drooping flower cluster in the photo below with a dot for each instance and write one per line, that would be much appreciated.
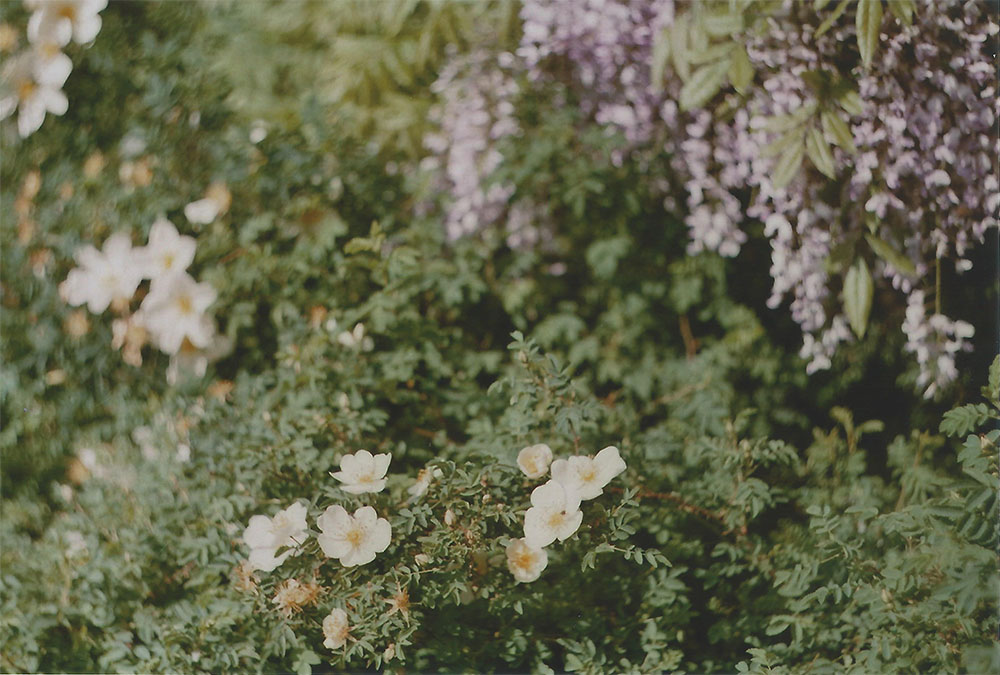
(32, 81)
(555, 506)
(173, 315)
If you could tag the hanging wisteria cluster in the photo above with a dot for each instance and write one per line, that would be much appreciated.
(912, 182)
(32, 80)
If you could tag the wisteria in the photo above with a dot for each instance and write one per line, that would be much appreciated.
(923, 179)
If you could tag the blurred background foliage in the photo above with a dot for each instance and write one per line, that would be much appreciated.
(770, 521)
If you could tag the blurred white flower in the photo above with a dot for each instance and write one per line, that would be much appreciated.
(534, 460)
(355, 339)
(554, 514)
(424, 480)
(585, 476)
(183, 453)
(58, 21)
(354, 540)
(335, 629)
(174, 311)
(202, 211)
(192, 361)
(266, 535)
(363, 472)
(103, 276)
(525, 562)
(167, 250)
(75, 543)
(32, 83)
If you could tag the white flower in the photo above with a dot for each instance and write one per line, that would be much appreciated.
(266, 535)
(525, 562)
(193, 362)
(75, 543)
(202, 212)
(167, 250)
(354, 540)
(335, 629)
(585, 476)
(174, 311)
(424, 479)
(58, 21)
(554, 514)
(32, 83)
(363, 472)
(355, 339)
(103, 276)
(534, 460)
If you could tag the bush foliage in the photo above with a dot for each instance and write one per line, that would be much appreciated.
(769, 520)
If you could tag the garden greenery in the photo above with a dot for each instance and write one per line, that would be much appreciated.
(521, 337)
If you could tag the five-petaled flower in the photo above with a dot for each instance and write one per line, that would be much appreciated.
(586, 477)
(56, 22)
(534, 460)
(554, 514)
(266, 535)
(167, 250)
(354, 540)
(174, 311)
(363, 472)
(525, 562)
(103, 276)
(335, 629)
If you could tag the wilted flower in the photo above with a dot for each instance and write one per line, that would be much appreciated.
(534, 460)
(32, 83)
(363, 472)
(335, 629)
(291, 596)
(174, 311)
(167, 250)
(192, 361)
(525, 562)
(58, 21)
(554, 514)
(585, 476)
(103, 276)
(266, 535)
(354, 540)
(129, 335)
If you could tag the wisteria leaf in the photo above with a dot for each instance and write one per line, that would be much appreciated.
(891, 255)
(787, 166)
(868, 20)
(832, 18)
(858, 292)
(740, 70)
(837, 131)
(819, 153)
(704, 84)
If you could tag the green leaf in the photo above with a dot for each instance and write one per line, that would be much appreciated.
(903, 10)
(661, 57)
(679, 46)
(966, 419)
(868, 20)
(704, 84)
(891, 255)
(858, 292)
(787, 166)
(304, 663)
(721, 25)
(819, 153)
(740, 70)
(837, 131)
(832, 19)
(994, 382)
(852, 103)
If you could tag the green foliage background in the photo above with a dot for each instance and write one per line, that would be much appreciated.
(767, 522)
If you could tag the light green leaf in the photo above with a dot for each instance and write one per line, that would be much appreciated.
(703, 85)
(721, 25)
(858, 292)
(868, 20)
(679, 46)
(818, 5)
(788, 164)
(891, 255)
(795, 136)
(832, 18)
(740, 70)
(837, 131)
(819, 153)
(852, 103)
(903, 10)
(661, 57)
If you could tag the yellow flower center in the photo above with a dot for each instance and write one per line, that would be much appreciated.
(354, 536)
(185, 305)
(556, 519)
(589, 474)
(522, 560)
(168, 261)
(67, 11)
(25, 89)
